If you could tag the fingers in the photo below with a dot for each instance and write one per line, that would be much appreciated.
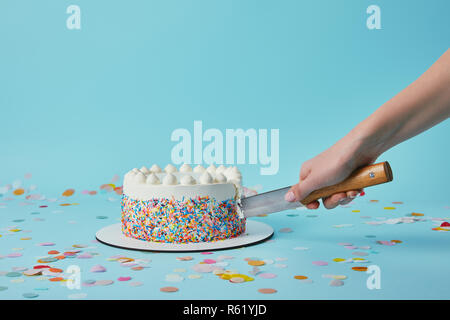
(313, 205)
(341, 198)
(334, 200)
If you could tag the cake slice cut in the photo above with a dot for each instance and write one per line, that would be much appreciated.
(182, 205)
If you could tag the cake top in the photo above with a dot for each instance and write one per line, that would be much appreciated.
(185, 175)
(221, 182)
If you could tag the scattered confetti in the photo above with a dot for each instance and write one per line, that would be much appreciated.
(168, 289)
(267, 290)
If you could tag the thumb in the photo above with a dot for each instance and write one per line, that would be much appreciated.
(300, 190)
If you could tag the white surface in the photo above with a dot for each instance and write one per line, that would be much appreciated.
(255, 231)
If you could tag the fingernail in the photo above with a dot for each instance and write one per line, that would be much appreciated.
(342, 200)
(289, 196)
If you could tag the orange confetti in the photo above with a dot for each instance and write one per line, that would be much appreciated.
(359, 268)
(397, 241)
(64, 204)
(56, 270)
(68, 192)
(19, 191)
(56, 279)
(373, 200)
(300, 277)
(60, 257)
(92, 193)
(256, 263)
(416, 214)
(53, 252)
(168, 289)
(267, 290)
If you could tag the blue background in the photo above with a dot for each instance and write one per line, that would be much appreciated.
(77, 106)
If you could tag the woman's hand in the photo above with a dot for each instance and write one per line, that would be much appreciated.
(328, 168)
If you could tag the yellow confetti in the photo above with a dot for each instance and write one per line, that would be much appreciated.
(356, 211)
(338, 259)
(389, 208)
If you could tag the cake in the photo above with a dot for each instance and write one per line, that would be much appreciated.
(182, 205)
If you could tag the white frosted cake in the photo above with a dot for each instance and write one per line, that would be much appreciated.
(182, 206)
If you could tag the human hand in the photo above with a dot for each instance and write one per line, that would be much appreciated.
(328, 168)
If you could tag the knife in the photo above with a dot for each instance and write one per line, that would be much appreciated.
(273, 201)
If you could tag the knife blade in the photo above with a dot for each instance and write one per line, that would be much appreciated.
(273, 201)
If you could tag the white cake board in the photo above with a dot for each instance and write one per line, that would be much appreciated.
(255, 232)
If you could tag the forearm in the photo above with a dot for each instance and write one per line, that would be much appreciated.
(421, 105)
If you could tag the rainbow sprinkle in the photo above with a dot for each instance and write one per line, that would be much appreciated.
(201, 219)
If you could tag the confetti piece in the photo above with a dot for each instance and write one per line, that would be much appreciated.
(445, 224)
(209, 261)
(30, 295)
(300, 277)
(68, 192)
(174, 278)
(103, 282)
(168, 289)
(56, 279)
(285, 230)
(356, 211)
(237, 280)
(336, 283)
(397, 202)
(13, 274)
(389, 208)
(416, 214)
(339, 277)
(194, 276)
(256, 263)
(98, 268)
(124, 279)
(136, 284)
(267, 290)
(186, 258)
(18, 192)
(359, 268)
(32, 272)
(267, 275)
(320, 263)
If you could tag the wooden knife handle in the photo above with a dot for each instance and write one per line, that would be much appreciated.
(363, 177)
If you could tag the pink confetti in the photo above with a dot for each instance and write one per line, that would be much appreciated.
(320, 263)
(267, 275)
(98, 268)
(124, 279)
(14, 255)
(209, 261)
(47, 244)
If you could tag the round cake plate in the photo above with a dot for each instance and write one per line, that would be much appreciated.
(255, 232)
